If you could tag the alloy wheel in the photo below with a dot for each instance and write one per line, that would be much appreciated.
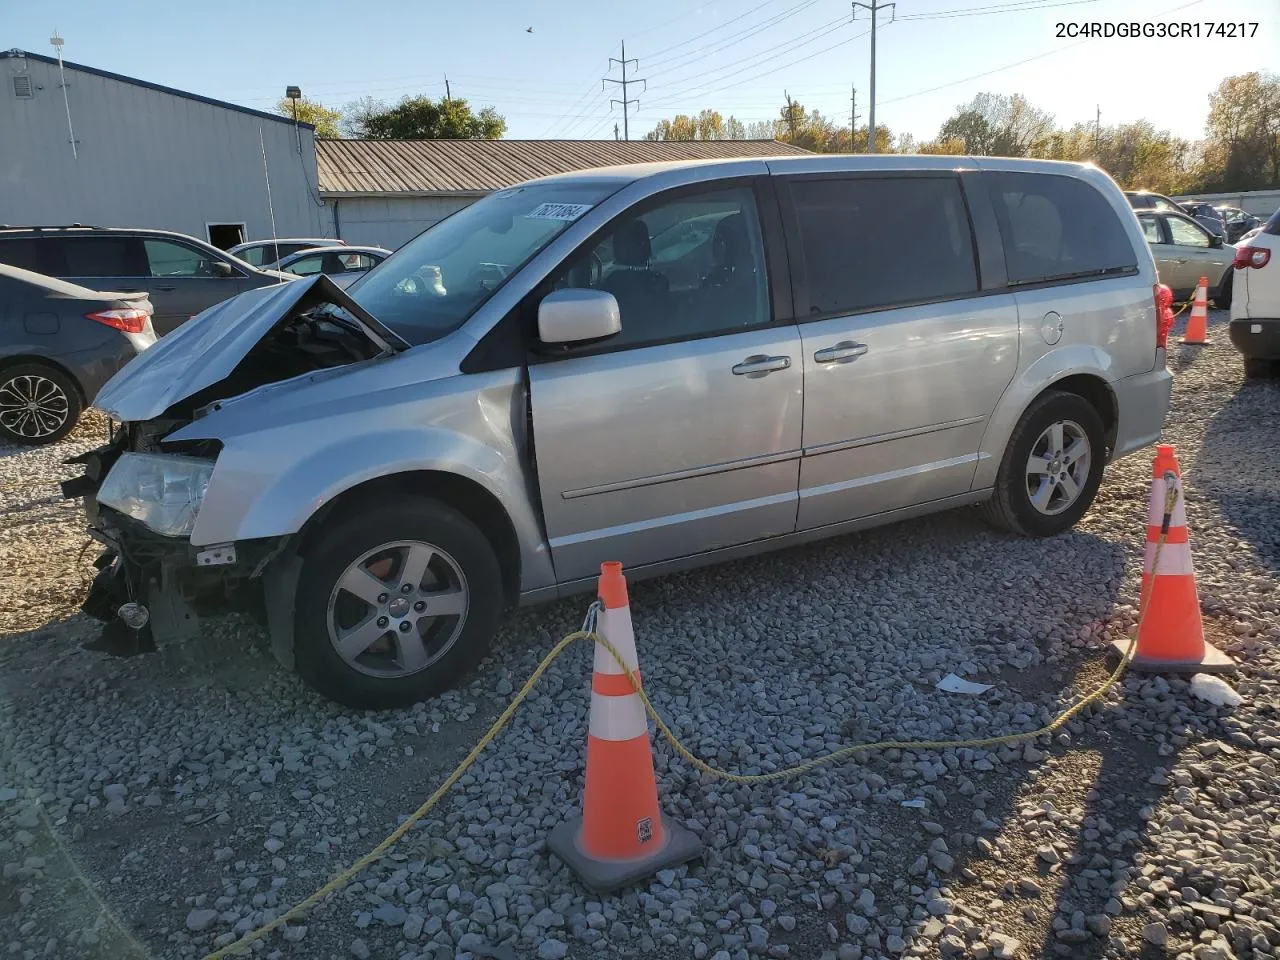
(32, 406)
(398, 608)
(1058, 467)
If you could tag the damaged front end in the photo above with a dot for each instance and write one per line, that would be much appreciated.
(143, 491)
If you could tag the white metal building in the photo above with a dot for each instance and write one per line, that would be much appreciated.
(144, 155)
(385, 192)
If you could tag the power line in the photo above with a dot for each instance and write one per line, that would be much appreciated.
(1025, 6)
(1018, 63)
(658, 54)
(760, 57)
(732, 39)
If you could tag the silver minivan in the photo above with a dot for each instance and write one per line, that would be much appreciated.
(666, 365)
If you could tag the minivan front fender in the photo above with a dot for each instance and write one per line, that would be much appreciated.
(1055, 366)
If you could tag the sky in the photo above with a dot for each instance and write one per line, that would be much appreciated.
(741, 57)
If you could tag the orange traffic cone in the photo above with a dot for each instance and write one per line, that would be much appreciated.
(622, 835)
(1171, 634)
(1198, 323)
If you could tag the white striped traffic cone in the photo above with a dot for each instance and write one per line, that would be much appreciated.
(622, 835)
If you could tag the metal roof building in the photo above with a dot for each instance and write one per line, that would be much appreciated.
(112, 150)
(386, 191)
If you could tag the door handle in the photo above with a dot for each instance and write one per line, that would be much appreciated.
(1180, 260)
(758, 365)
(842, 352)
(166, 289)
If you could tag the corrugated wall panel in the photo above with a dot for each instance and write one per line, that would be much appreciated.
(392, 221)
(147, 159)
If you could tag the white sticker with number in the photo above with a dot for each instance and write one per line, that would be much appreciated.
(558, 211)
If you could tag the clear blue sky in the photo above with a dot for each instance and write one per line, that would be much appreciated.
(738, 56)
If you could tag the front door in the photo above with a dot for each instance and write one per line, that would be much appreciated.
(903, 362)
(183, 282)
(680, 434)
(1196, 255)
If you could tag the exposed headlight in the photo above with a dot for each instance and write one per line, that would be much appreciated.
(162, 491)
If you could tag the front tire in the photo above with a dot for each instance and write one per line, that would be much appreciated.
(395, 603)
(1051, 469)
(39, 404)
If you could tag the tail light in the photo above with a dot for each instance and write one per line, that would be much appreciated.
(128, 319)
(1251, 257)
(1164, 314)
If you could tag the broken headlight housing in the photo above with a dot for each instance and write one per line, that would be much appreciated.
(161, 491)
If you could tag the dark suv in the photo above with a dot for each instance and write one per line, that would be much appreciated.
(183, 275)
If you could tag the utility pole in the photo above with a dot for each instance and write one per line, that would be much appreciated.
(853, 118)
(1097, 130)
(616, 136)
(448, 95)
(791, 117)
(875, 6)
(624, 102)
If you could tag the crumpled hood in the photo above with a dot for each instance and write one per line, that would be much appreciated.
(207, 348)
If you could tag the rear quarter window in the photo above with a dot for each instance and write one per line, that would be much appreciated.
(105, 257)
(1056, 227)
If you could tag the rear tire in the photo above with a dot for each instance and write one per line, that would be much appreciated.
(1222, 300)
(1057, 448)
(373, 648)
(39, 404)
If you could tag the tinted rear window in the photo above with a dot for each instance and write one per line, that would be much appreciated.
(876, 242)
(105, 257)
(1057, 227)
(30, 253)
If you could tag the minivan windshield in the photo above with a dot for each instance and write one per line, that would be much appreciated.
(438, 279)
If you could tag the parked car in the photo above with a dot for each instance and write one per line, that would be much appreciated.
(1255, 311)
(267, 254)
(1146, 200)
(866, 338)
(1249, 236)
(1238, 222)
(58, 344)
(1185, 251)
(1207, 215)
(342, 266)
(181, 274)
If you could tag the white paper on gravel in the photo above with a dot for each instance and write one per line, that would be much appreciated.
(953, 684)
(1214, 689)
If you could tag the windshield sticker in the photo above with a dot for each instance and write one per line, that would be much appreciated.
(558, 211)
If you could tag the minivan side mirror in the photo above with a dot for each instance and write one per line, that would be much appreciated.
(576, 315)
(222, 269)
(1215, 241)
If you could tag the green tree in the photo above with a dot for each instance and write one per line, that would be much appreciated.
(1242, 134)
(421, 118)
(707, 125)
(315, 113)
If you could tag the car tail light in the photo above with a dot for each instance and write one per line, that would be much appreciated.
(1251, 257)
(128, 319)
(1164, 314)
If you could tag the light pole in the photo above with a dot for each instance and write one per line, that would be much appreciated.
(874, 7)
(295, 94)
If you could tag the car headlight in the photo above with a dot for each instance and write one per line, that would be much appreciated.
(161, 491)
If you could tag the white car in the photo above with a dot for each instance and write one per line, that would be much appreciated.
(1255, 307)
(343, 265)
(268, 253)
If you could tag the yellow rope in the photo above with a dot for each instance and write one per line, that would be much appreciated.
(347, 875)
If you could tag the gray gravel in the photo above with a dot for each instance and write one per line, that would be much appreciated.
(165, 805)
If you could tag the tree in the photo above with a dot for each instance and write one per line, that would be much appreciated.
(993, 124)
(421, 118)
(315, 113)
(734, 129)
(1242, 134)
(707, 125)
(356, 115)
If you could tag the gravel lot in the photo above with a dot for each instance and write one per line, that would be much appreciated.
(164, 805)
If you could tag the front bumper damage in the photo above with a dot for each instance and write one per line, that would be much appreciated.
(175, 583)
